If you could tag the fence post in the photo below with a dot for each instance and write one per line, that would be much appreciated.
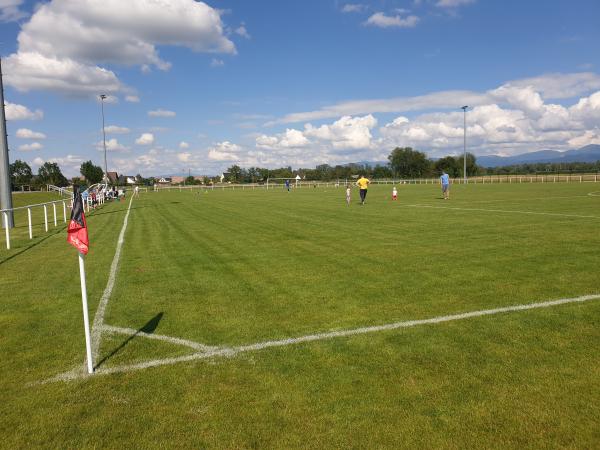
(46, 217)
(64, 211)
(29, 221)
(54, 211)
(7, 229)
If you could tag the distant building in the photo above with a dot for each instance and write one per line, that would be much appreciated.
(113, 177)
(164, 180)
(126, 179)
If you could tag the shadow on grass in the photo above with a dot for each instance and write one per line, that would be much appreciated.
(148, 328)
(35, 244)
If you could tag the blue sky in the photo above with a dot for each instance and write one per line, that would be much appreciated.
(201, 86)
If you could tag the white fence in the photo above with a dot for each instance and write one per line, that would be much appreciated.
(66, 203)
(487, 179)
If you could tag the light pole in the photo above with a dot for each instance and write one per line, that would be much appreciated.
(102, 97)
(464, 108)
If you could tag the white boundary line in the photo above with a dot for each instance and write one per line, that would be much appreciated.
(99, 317)
(594, 194)
(522, 199)
(232, 351)
(504, 211)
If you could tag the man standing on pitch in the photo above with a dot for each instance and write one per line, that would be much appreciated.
(445, 182)
(363, 184)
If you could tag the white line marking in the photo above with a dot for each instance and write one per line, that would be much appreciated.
(508, 200)
(505, 211)
(172, 340)
(228, 352)
(99, 317)
(594, 194)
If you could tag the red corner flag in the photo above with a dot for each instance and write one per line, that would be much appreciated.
(77, 234)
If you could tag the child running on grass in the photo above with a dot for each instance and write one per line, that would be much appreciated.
(348, 195)
(394, 193)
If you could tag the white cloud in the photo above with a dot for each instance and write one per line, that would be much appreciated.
(145, 139)
(19, 112)
(353, 8)
(183, 145)
(381, 20)
(587, 138)
(550, 86)
(9, 10)
(38, 161)
(114, 129)
(161, 113)
(217, 62)
(112, 145)
(345, 133)
(290, 139)
(225, 151)
(25, 133)
(241, 31)
(30, 147)
(65, 43)
(184, 157)
(560, 85)
(27, 71)
(523, 123)
(453, 3)
(132, 98)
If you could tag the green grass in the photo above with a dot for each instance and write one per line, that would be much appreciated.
(228, 268)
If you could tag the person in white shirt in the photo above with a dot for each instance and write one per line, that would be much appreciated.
(394, 193)
(348, 195)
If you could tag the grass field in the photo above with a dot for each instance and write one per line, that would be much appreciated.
(230, 269)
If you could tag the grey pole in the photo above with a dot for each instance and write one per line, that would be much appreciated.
(102, 97)
(464, 108)
(5, 189)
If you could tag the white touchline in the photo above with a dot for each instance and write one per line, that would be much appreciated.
(594, 194)
(509, 200)
(504, 211)
(99, 317)
(232, 351)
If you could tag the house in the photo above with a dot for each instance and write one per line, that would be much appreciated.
(126, 179)
(113, 177)
(163, 180)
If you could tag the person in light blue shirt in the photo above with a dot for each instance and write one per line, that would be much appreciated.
(445, 182)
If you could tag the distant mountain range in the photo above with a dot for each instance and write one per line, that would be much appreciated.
(589, 153)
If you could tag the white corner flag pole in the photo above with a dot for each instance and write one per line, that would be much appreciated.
(86, 321)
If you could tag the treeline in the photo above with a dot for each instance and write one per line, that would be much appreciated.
(539, 168)
(403, 163)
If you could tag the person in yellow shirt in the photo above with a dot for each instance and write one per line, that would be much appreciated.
(363, 184)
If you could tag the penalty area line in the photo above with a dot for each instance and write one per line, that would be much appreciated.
(233, 351)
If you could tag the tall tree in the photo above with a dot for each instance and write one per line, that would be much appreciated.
(20, 173)
(409, 163)
(235, 173)
(448, 164)
(472, 168)
(93, 174)
(50, 173)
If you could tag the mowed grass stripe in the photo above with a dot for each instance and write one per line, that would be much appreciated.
(523, 380)
(240, 270)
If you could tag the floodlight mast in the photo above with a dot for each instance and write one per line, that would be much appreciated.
(102, 97)
(464, 108)
(5, 188)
